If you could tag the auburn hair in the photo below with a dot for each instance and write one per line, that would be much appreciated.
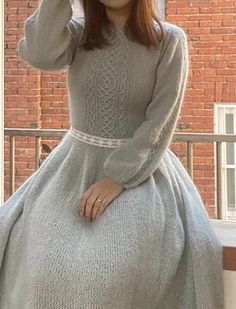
(139, 26)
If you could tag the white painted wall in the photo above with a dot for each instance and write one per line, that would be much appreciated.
(226, 232)
(230, 289)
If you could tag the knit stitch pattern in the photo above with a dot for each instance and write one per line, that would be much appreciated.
(153, 247)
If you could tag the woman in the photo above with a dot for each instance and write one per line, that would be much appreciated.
(111, 219)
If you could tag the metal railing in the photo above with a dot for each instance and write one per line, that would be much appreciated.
(189, 138)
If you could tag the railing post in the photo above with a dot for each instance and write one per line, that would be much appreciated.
(12, 164)
(219, 207)
(190, 158)
(37, 151)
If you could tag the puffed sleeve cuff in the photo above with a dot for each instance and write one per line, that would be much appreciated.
(137, 159)
(51, 35)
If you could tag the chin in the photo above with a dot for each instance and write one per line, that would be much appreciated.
(115, 4)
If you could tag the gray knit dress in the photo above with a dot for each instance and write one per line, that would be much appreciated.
(153, 247)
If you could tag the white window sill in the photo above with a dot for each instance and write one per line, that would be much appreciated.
(226, 232)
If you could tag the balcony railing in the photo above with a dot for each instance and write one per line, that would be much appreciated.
(189, 138)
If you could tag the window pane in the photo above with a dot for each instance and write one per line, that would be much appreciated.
(230, 153)
(229, 123)
(231, 187)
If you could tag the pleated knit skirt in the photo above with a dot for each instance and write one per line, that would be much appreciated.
(152, 248)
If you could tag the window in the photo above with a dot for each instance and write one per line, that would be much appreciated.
(225, 123)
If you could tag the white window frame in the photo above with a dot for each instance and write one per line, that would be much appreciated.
(219, 128)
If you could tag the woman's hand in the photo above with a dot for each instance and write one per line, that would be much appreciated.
(105, 190)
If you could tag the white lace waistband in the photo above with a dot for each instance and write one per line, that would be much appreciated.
(96, 140)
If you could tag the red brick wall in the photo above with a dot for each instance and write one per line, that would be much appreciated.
(35, 99)
(211, 30)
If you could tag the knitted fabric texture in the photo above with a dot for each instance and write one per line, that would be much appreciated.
(154, 246)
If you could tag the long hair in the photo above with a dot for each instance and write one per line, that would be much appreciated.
(139, 26)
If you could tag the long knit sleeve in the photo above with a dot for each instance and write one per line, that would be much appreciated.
(134, 161)
(51, 35)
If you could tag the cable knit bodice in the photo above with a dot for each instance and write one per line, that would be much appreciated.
(124, 90)
(108, 90)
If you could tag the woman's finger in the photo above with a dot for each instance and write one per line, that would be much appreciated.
(89, 205)
(103, 206)
(96, 206)
(83, 199)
